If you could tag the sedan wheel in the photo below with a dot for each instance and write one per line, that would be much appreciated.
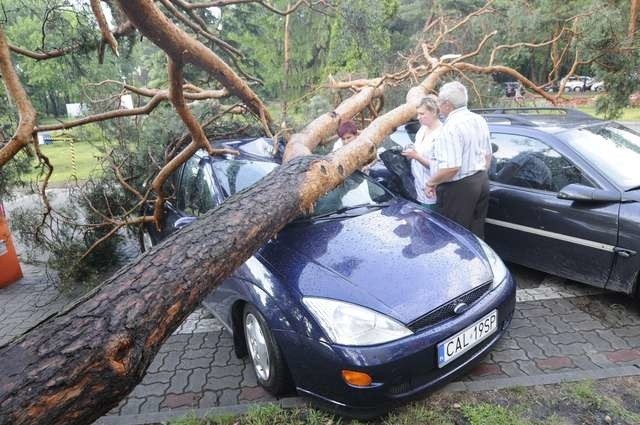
(144, 240)
(267, 360)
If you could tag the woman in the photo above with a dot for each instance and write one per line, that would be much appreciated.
(421, 152)
(346, 133)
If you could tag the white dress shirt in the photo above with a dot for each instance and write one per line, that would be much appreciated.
(463, 142)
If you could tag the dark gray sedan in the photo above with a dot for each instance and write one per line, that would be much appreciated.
(565, 194)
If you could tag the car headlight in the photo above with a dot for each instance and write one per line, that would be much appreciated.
(497, 266)
(350, 324)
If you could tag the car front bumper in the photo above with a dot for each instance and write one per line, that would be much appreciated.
(401, 370)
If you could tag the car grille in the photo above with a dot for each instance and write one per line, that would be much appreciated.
(446, 311)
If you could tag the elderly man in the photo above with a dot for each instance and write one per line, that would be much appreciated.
(461, 155)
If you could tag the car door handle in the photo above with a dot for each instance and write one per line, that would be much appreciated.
(624, 253)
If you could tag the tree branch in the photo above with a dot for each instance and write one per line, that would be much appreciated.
(26, 111)
(182, 48)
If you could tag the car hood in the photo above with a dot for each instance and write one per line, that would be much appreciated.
(399, 260)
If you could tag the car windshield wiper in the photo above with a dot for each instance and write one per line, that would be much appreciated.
(631, 189)
(341, 211)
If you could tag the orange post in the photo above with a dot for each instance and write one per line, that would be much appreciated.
(10, 270)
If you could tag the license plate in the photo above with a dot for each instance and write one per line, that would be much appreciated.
(452, 348)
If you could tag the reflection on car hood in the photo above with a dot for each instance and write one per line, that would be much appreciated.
(399, 260)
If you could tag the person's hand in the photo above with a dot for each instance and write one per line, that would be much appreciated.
(410, 153)
(430, 190)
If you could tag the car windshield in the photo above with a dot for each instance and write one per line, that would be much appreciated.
(612, 148)
(357, 191)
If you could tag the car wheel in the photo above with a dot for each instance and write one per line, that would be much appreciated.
(577, 89)
(266, 357)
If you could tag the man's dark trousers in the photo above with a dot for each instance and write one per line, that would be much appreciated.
(466, 201)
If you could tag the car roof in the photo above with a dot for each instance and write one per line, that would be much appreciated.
(547, 119)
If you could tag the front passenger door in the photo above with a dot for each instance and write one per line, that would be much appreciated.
(527, 224)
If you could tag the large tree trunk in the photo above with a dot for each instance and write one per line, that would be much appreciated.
(75, 367)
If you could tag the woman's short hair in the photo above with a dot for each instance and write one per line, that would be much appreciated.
(430, 103)
(455, 93)
(347, 127)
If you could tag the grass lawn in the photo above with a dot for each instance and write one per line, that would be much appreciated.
(628, 114)
(609, 401)
(68, 159)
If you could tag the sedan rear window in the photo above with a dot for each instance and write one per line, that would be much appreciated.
(612, 148)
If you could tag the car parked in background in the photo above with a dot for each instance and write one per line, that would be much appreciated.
(577, 83)
(565, 194)
(366, 301)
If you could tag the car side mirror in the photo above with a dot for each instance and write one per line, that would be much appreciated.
(581, 193)
(183, 222)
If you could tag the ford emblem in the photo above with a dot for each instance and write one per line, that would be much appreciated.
(460, 308)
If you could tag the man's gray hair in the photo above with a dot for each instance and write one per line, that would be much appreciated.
(455, 93)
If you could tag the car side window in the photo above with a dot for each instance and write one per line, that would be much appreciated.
(196, 194)
(527, 162)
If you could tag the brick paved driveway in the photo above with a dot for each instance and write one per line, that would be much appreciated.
(558, 326)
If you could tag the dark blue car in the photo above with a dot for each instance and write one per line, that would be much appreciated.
(365, 302)
(565, 194)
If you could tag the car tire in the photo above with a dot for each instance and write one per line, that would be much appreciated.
(577, 89)
(267, 360)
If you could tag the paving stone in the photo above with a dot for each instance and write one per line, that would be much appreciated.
(557, 323)
(170, 362)
(584, 362)
(511, 369)
(508, 356)
(560, 307)
(222, 356)
(532, 350)
(486, 369)
(189, 364)
(228, 397)
(548, 348)
(617, 343)
(158, 377)
(197, 379)
(566, 338)
(517, 323)
(151, 404)
(249, 378)
(554, 363)
(225, 340)
(506, 343)
(209, 399)
(153, 389)
(588, 325)
(623, 355)
(179, 381)
(221, 371)
(210, 340)
(253, 394)
(184, 400)
(597, 341)
(198, 353)
(131, 406)
(529, 367)
(525, 332)
(627, 331)
(538, 312)
(225, 382)
(601, 360)
(156, 364)
(575, 348)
